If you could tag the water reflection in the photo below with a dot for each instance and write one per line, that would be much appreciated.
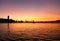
(11, 36)
(8, 29)
(30, 32)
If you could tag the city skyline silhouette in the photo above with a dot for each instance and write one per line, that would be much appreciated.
(8, 20)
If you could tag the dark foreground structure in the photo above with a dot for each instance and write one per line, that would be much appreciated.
(2, 20)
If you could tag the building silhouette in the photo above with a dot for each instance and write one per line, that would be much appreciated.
(8, 18)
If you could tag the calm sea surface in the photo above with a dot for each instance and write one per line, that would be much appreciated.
(41, 31)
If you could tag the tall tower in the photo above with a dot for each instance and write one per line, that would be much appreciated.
(8, 17)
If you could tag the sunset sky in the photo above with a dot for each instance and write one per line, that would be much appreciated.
(38, 10)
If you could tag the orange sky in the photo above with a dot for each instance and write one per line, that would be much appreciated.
(30, 10)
